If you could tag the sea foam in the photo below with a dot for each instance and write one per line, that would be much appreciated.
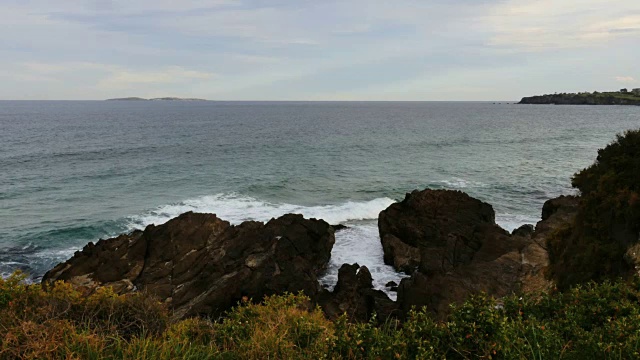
(237, 208)
(360, 243)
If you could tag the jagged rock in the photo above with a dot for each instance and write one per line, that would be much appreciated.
(461, 249)
(200, 264)
(564, 206)
(355, 296)
(402, 256)
(524, 230)
(446, 227)
(556, 214)
(495, 269)
(339, 227)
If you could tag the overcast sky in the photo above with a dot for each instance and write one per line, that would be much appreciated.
(316, 50)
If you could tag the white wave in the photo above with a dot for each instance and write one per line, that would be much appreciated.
(458, 183)
(361, 244)
(511, 222)
(358, 244)
(237, 208)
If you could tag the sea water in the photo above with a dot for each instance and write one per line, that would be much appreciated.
(77, 171)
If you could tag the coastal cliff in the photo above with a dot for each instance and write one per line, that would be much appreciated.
(623, 97)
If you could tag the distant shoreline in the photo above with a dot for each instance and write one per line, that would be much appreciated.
(622, 97)
(156, 99)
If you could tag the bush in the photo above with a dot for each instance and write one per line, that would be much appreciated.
(608, 219)
(593, 321)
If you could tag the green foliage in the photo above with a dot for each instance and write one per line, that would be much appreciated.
(586, 98)
(608, 220)
(594, 321)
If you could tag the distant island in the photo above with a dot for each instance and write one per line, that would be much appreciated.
(156, 99)
(622, 97)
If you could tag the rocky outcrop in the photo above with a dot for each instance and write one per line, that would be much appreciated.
(354, 295)
(200, 264)
(339, 227)
(524, 230)
(435, 229)
(402, 256)
(460, 249)
(556, 214)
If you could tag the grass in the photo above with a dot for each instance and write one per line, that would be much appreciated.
(595, 321)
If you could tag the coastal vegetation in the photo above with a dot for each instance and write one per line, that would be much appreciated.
(593, 321)
(601, 242)
(622, 97)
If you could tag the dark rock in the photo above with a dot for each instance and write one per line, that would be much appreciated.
(199, 264)
(525, 230)
(339, 227)
(391, 283)
(402, 256)
(563, 204)
(438, 229)
(461, 250)
(355, 296)
(557, 214)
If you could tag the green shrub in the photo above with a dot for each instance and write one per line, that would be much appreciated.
(608, 219)
(592, 321)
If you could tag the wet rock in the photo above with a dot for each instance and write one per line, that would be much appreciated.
(200, 264)
(339, 227)
(355, 296)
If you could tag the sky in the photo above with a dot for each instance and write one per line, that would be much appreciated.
(426, 50)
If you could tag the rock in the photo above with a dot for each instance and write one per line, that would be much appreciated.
(525, 230)
(391, 283)
(632, 258)
(355, 296)
(402, 256)
(461, 250)
(438, 229)
(565, 205)
(339, 227)
(557, 214)
(200, 264)
(495, 269)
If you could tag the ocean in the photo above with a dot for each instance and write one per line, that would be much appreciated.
(78, 171)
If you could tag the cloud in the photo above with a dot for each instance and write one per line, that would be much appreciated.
(540, 25)
(625, 79)
(123, 78)
(286, 49)
(106, 77)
